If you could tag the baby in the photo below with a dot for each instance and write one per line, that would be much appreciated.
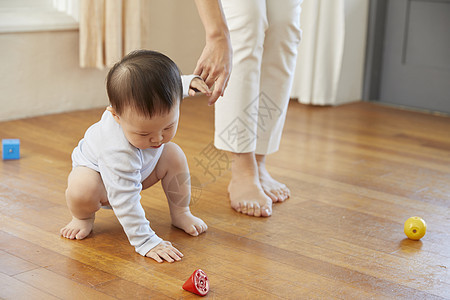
(130, 149)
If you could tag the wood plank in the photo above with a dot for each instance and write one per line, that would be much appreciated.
(59, 286)
(123, 289)
(12, 265)
(11, 288)
(53, 261)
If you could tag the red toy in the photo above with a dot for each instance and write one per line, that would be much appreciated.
(198, 283)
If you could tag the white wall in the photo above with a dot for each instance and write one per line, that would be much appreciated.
(40, 75)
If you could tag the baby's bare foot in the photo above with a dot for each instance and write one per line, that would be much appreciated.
(182, 218)
(78, 229)
(248, 197)
(277, 191)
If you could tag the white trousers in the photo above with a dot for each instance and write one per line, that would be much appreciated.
(264, 35)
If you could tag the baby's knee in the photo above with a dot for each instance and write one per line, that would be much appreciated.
(80, 197)
(175, 153)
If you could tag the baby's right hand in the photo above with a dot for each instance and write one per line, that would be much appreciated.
(166, 251)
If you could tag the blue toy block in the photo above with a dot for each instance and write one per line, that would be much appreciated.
(11, 149)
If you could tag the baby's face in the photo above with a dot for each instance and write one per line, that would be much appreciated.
(143, 132)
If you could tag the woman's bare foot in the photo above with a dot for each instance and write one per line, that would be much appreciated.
(182, 218)
(246, 193)
(78, 229)
(277, 191)
(248, 198)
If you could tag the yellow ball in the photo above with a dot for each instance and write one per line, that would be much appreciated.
(415, 228)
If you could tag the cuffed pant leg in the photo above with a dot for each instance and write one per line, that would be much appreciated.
(235, 127)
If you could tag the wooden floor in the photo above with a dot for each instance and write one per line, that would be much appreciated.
(356, 173)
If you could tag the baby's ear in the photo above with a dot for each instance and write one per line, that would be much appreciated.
(114, 114)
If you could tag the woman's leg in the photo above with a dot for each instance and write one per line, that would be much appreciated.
(246, 193)
(235, 126)
(277, 69)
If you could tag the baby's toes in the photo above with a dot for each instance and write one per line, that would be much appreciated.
(199, 229)
(192, 230)
(67, 233)
(74, 233)
(204, 227)
(243, 208)
(82, 234)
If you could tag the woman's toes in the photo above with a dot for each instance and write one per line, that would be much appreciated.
(257, 211)
(266, 212)
(272, 196)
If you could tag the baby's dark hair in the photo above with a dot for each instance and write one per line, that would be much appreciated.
(146, 81)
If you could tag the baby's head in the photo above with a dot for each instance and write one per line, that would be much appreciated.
(148, 82)
(145, 91)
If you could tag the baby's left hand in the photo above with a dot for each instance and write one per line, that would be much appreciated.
(198, 85)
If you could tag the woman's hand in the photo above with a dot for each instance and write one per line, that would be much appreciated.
(214, 66)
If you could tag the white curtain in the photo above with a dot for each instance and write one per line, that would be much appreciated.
(319, 60)
(109, 29)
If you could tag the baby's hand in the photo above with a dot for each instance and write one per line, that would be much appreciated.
(198, 85)
(166, 251)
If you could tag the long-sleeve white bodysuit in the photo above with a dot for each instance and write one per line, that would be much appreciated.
(122, 167)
